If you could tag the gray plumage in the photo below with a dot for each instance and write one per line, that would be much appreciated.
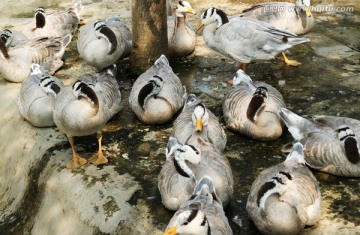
(160, 105)
(103, 42)
(250, 114)
(184, 128)
(331, 143)
(285, 198)
(36, 102)
(12, 37)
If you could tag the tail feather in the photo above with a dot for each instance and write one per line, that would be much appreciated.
(77, 8)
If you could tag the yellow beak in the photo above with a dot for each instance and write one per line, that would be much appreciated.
(308, 11)
(200, 26)
(171, 231)
(198, 126)
(190, 10)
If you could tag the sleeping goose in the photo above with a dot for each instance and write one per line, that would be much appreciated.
(331, 143)
(85, 107)
(13, 38)
(185, 165)
(251, 108)
(15, 62)
(37, 97)
(244, 39)
(157, 94)
(195, 120)
(181, 37)
(103, 42)
(285, 198)
(296, 18)
(54, 23)
(201, 214)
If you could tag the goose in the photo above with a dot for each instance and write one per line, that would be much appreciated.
(181, 37)
(54, 23)
(252, 108)
(201, 214)
(103, 42)
(296, 18)
(185, 165)
(13, 38)
(157, 94)
(85, 107)
(195, 120)
(331, 144)
(285, 198)
(37, 97)
(15, 62)
(244, 39)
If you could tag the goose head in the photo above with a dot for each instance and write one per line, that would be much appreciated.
(7, 37)
(40, 17)
(305, 5)
(49, 86)
(212, 15)
(151, 89)
(350, 143)
(186, 153)
(82, 90)
(257, 103)
(103, 31)
(190, 222)
(200, 117)
(205, 188)
(172, 145)
(3, 49)
(241, 76)
(182, 8)
(296, 156)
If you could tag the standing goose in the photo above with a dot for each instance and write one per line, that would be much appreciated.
(15, 62)
(181, 37)
(251, 108)
(54, 23)
(37, 97)
(331, 144)
(157, 94)
(201, 214)
(196, 120)
(285, 198)
(296, 18)
(244, 39)
(185, 165)
(103, 42)
(85, 107)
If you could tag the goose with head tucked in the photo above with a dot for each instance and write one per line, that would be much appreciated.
(243, 39)
(331, 143)
(285, 198)
(15, 62)
(85, 107)
(103, 42)
(181, 37)
(157, 94)
(12, 38)
(296, 18)
(186, 164)
(200, 214)
(51, 23)
(252, 108)
(195, 120)
(36, 100)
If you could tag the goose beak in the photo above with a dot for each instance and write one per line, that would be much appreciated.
(190, 10)
(200, 26)
(308, 11)
(171, 231)
(198, 126)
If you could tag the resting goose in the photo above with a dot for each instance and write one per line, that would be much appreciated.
(185, 165)
(103, 42)
(195, 120)
(54, 23)
(15, 62)
(331, 144)
(37, 97)
(157, 94)
(201, 214)
(181, 37)
(252, 108)
(244, 39)
(12, 38)
(285, 198)
(85, 107)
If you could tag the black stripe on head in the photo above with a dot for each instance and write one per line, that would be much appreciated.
(278, 179)
(180, 170)
(205, 14)
(212, 11)
(352, 150)
(3, 49)
(144, 93)
(223, 16)
(263, 189)
(40, 18)
(4, 37)
(158, 77)
(181, 3)
(193, 147)
(110, 35)
(192, 216)
(287, 174)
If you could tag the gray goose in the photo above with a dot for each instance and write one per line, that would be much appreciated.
(331, 144)
(85, 107)
(285, 198)
(252, 108)
(12, 38)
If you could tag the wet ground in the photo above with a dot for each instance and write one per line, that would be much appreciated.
(327, 82)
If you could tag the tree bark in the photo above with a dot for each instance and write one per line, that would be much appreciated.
(149, 33)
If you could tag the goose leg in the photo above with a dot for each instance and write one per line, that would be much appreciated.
(290, 62)
(76, 161)
(99, 158)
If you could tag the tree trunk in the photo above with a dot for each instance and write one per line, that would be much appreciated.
(149, 33)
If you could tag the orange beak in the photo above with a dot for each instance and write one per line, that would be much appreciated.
(171, 231)
(198, 126)
(200, 26)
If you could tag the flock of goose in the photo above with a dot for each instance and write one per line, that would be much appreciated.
(196, 179)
